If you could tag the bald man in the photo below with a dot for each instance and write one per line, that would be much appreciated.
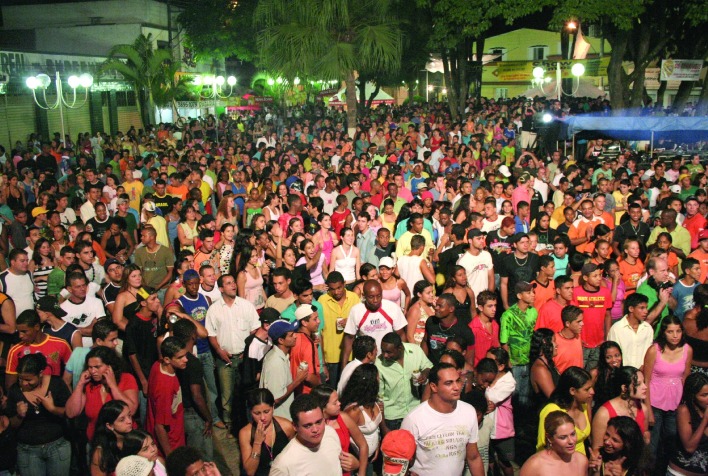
(374, 317)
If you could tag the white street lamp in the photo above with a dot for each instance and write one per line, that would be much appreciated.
(42, 81)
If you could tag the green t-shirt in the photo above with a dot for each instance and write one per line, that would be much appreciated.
(653, 297)
(516, 331)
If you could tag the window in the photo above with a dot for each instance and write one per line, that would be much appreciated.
(538, 52)
(501, 93)
(125, 98)
(500, 52)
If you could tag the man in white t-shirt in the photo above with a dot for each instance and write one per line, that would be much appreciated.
(315, 448)
(329, 194)
(492, 219)
(82, 308)
(478, 263)
(17, 283)
(375, 317)
(445, 429)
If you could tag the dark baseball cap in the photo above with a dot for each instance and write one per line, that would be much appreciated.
(50, 304)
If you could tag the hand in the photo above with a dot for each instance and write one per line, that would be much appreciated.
(301, 375)
(325, 371)
(84, 378)
(207, 428)
(260, 435)
(348, 462)
(223, 355)
(490, 406)
(664, 295)
(595, 460)
(47, 401)
(614, 468)
(110, 377)
(144, 386)
(22, 409)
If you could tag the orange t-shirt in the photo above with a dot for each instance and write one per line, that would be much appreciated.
(631, 273)
(543, 293)
(702, 258)
(569, 353)
(305, 350)
(180, 191)
(579, 229)
(607, 219)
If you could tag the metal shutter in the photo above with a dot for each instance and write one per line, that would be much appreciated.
(17, 120)
(129, 116)
(75, 121)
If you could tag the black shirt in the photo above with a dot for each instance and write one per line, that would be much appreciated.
(193, 374)
(436, 336)
(498, 247)
(517, 270)
(448, 258)
(39, 426)
(253, 361)
(47, 163)
(627, 230)
(141, 340)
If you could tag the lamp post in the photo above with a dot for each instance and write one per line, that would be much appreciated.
(214, 90)
(42, 81)
(540, 78)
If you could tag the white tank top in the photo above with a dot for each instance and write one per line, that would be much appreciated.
(346, 265)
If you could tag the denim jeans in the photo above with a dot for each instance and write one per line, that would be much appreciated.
(522, 376)
(333, 370)
(52, 459)
(663, 436)
(207, 360)
(143, 402)
(229, 378)
(194, 433)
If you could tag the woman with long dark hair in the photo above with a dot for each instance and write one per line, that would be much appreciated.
(130, 284)
(572, 395)
(667, 363)
(695, 326)
(262, 440)
(41, 264)
(499, 393)
(249, 278)
(623, 450)
(691, 457)
(610, 360)
(113, 422)
(629, 393)
(421, 307)
(359, 400)
(544, 375)
(104, 380)
(346, 429)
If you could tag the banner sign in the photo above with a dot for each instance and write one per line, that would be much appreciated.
(681, 70)
(327, 92)
(199, 104)
(18, 64)
(523, 70)
(262, 99)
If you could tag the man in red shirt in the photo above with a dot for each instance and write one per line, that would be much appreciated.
(549, 315)
(694, 221)
(595, 302)
(484, 327)
(34, 341)
(165, 415)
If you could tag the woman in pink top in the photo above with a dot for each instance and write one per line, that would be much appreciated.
(666, 365)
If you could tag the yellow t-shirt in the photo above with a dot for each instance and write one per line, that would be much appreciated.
(581, 434)
(331, 337)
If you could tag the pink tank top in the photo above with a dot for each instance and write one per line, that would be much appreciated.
(393, 295)
(327, 246)
(254, 290)
(666, 387)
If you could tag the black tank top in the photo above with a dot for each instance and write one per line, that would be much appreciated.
(268, 454)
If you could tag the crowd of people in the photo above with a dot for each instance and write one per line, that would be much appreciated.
(426, 296)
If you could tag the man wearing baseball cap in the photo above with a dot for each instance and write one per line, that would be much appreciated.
(276, 375)
(307, 342)
(257, 346)
(51, 316)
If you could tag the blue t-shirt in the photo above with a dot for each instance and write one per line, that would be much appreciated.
(197, 308)
(684, 298)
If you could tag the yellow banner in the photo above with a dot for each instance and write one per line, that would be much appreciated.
(522, 70)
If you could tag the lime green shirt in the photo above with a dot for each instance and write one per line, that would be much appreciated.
(395, 381)
(516, 330)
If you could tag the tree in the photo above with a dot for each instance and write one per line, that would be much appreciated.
(639, 31)
(328, 39)
(145, 67)
(459, 28)
(218, 29)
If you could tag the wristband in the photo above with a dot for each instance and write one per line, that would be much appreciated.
(255, 455)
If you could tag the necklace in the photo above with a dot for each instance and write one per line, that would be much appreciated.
(448, 327)
(523, 263)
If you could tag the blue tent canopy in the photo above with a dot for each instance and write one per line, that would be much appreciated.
(685, 129)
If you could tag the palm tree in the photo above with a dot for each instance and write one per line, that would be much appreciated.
(329, 39)
(145, 67)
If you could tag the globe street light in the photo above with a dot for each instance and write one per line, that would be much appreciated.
(42, 81)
